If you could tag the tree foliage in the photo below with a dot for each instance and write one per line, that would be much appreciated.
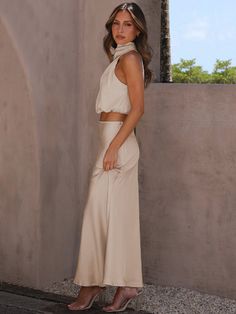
(187, 71)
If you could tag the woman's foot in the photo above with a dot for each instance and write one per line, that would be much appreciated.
(86, 297)
(121, 299)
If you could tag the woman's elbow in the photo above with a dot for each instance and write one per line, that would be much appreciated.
(141, 111)
(138, 111)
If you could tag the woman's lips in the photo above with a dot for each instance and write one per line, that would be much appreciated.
(120, 37)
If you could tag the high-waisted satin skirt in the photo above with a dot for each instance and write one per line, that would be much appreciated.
(110, 248)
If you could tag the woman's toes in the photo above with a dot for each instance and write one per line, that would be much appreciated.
(107, 308)
(74, 306)
(71, 306)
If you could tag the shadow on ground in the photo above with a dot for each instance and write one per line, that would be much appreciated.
(22, 300)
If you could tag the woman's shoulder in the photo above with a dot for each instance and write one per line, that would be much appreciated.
(132, 62)
(131, 59)
(132, 55)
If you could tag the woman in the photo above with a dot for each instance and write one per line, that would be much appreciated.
(110, 251)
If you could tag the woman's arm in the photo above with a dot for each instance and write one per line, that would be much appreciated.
(132, 69)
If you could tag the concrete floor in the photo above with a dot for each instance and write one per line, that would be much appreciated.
(162, 300)
(23, 300)
(155, 299)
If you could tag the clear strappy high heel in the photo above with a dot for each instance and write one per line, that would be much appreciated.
(124, 305)
(89, 305)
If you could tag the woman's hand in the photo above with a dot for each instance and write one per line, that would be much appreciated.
(110, 158)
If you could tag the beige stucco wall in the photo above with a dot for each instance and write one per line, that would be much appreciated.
(19, 175)
(40, 200)
(51, 62)
(187, 186)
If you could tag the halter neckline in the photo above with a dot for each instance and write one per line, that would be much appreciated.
(123, 48)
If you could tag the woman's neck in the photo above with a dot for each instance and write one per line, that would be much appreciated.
(123, 48)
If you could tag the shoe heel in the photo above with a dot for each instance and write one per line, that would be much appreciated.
(123, 308)
(102, 297)
(91, 302)
(139, 301)
(97, 296)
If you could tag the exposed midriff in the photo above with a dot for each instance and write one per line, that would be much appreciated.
(112, 116)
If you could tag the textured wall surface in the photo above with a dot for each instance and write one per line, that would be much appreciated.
(19, 176)
(44, 145)
(187, 186)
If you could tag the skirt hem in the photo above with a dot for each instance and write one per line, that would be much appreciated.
(107, 283)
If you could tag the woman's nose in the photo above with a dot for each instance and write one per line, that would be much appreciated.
(120, 28)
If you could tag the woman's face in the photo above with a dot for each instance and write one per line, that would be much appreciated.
(123, 28)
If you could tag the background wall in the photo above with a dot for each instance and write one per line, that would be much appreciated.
(39, 199)
(187, 186)
(19, 176)
(51, 59)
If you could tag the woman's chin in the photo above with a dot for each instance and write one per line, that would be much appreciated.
(122, 41)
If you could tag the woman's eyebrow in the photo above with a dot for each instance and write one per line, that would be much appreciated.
(124, 21)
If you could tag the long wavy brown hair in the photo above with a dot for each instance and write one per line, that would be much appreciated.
(140, 41)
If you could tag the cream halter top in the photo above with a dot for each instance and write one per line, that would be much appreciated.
(113, 94)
